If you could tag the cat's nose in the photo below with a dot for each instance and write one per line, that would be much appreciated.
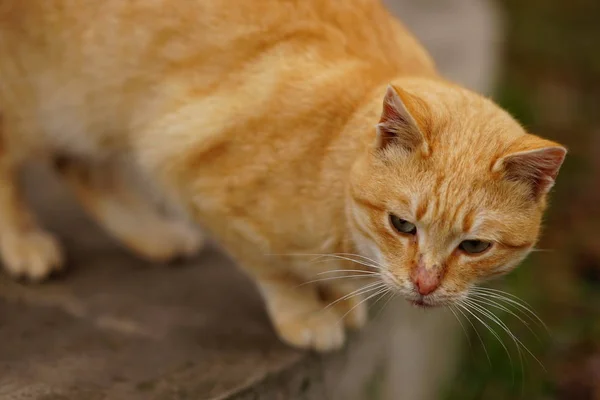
(426, 280)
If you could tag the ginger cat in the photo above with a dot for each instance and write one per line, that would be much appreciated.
(281, 128)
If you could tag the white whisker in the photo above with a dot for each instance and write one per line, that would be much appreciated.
(541, 250)
(341, 256)
(381, 291)
(490, 302)
(335, 256)
(476, 332)
(497, 321)
(492, 331)
(359, 255)
(363, 290)
(336, 278)
(517, 341)
(337, 271)
(323, 260)
(512, 299)
(392, 294)
(461, 325)
(380, 297)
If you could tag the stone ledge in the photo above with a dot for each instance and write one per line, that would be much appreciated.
(117, 328)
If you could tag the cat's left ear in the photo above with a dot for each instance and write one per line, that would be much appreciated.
(398, 124)
(536, 162)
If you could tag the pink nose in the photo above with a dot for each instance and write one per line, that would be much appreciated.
(426, 280)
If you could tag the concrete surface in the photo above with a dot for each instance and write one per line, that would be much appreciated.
(117, 328)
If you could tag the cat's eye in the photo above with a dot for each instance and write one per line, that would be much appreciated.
(474, 246)
(403, 226)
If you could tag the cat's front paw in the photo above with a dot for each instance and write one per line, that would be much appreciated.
(32, 255)
(321, 330)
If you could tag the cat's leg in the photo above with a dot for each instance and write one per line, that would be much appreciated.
(342, 285)
(119, 208)
(305, 311)
(298, 313)
(26, 250)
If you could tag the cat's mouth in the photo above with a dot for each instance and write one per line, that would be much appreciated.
(429, 301)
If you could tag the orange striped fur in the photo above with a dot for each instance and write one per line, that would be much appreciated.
(257, 118)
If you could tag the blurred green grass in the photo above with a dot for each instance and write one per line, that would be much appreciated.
(551, 83)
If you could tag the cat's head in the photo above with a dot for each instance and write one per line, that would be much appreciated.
(451, 191)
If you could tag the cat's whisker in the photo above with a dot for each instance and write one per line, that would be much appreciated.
(391, 277)
(449, 308)
(363, 290)
(490, 302)
(370, 296)
(337, 271)
(541, 250)
(347, 258)
(512, 300)
(322, 260)
(380, 297)
(333, 255)
(499, 322)
(337, 278)
(497, 293)
(487, 355)
(362, 293)
(359, 255)
(500, 292)
(467, 308)
(391, 296)
(341, 256)
(489, 315)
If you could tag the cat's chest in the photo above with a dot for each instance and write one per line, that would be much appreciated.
(67, 124)
(52, 110)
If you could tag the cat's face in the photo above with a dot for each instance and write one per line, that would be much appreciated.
(451, 193)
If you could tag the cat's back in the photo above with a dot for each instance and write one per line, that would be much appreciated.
(155, 33)
(82, 65)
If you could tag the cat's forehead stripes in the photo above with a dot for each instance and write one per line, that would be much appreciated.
(368, 204)
(451, 209)
(468, 220)
(421, 210)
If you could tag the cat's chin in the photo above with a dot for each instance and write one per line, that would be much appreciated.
(421, 303)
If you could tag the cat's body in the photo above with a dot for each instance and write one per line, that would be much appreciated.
(258, 118)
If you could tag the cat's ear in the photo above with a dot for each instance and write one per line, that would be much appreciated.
(398, 126)
(536, 161)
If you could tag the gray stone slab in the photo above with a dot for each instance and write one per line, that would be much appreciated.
(117, 326)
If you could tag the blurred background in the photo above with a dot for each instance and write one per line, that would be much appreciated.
(548, 75)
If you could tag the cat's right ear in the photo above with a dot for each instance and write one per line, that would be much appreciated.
(534, 161)
(397, 126)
